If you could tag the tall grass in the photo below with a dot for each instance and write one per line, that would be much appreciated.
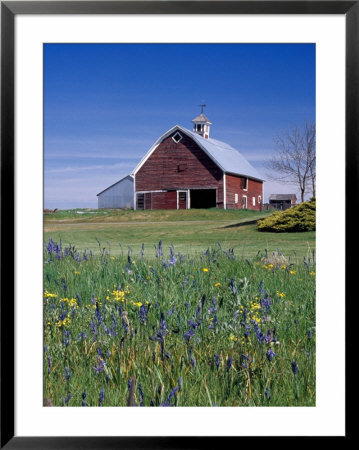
(158, 328)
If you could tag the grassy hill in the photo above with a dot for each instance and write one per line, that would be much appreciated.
(189, 231)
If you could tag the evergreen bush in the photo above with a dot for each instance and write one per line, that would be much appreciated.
(299, 218)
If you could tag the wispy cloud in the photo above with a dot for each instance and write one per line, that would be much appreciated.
(123, 166)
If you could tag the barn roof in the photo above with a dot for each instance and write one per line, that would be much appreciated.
(226, 157)
(130, 177)
(201, 118)
(282, 196)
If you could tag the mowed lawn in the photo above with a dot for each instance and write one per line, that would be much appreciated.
(190, 232)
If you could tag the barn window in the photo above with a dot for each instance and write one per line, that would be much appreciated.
(244, 183)
(253, 201)
(235, 198)
(244, 201)
(140, 201)
(177, 137)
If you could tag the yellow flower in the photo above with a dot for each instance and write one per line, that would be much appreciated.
(283, 267)
(113, 258)
(139, 304)
(118, 295)
(312, 273)
(281, 294)
(234, 338)
(205, 269)
(217, 284)
(77, 272)
(48, 294)
(63, 323)
(292, 272)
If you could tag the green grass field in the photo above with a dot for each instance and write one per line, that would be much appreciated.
(190, 232)
(177, 308)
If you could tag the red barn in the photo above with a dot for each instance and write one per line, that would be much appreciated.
(188, 169)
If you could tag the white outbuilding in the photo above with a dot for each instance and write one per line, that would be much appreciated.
(118, 196)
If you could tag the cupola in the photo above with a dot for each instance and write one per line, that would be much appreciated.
(201, 124)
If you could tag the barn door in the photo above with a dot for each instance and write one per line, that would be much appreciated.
(181, 199)
(148, 200)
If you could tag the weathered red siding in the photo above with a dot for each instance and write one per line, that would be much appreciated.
(182, 165)
(234, 186)
(164, 200)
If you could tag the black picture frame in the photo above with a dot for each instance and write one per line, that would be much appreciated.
(9, 9)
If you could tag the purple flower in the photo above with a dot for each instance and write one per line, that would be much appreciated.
(268, 337)
(217, 360)
(163, 325)
(67, 399)
(98, 313)
(159, 251)
(100, 365)
(48, 364)
(309, 334)
(267, 394)
(142, 314)
(270, 354)
(142, 394)
(188, 335)
(101, 397)
(170, 397)
(266, 302)
(171, 311)
(193, 324)
(229, 363)
(244, 360)
(84, 395)
(66, 337)
(294, 367)
(67, 374)
(232, 287)
(172, 261)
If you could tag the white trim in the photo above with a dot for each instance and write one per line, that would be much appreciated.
(182, 190)
(224, 191)
(149, 192)
(134, 193)
(244, 207)
(179, 140)
(246, 188)
(235, 198)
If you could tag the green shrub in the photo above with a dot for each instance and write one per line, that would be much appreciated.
(298, 218)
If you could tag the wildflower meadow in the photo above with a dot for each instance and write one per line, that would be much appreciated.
(159, 328)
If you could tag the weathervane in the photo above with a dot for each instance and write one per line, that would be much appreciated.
(202, 105)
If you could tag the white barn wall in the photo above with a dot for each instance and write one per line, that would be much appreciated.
(119, 195)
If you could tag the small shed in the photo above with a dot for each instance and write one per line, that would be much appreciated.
(282, 201)
(119, 195)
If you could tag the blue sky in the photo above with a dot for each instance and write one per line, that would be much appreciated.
(106, 104)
